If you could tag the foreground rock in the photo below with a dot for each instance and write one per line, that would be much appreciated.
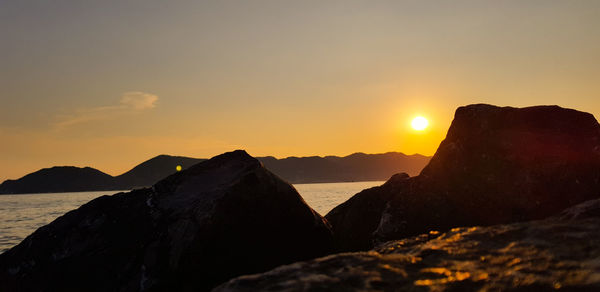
(497, 165)
(557, 253)
(221, 218)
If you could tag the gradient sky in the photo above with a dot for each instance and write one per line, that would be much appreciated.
(109, 84)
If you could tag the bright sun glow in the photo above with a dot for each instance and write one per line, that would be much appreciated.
(419, 123)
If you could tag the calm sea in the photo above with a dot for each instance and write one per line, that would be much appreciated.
(20, 215)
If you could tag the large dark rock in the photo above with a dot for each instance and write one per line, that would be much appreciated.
(545, 255)
(221, 218)
(496, 165)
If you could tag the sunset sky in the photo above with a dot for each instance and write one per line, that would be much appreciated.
(109, 84)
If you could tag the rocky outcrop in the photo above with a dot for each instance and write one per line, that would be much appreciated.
(545, 255)
(497, 165)
(218, 219)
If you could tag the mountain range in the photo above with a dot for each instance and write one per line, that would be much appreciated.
(314, 169)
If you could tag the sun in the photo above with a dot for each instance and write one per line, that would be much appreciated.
(419, 123)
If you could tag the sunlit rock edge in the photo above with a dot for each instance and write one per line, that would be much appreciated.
(561, 252)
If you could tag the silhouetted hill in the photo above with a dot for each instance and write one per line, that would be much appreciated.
(59, 179)
(355, 167)
(150, 171)
(315, 169)
(75, 179)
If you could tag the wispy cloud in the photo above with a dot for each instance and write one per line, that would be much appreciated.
(130, 103)
(138, 100)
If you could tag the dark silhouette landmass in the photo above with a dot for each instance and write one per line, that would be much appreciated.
(355, 167)
(218, 219)
(75, 179)
(60, 179)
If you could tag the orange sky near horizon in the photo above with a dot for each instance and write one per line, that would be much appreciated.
(109, 84)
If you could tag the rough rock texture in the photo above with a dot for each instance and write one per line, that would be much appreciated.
(540, 255)
(221, 218)
(497, 165)
(356, 219)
